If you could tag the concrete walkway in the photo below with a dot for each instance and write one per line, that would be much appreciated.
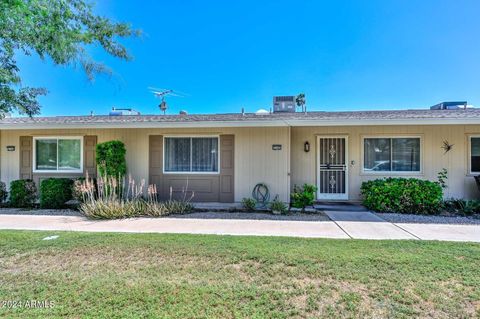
(343, 224)
(365, 225)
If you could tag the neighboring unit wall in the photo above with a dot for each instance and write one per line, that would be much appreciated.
(255, 161)
(434, 158)
(26, 154)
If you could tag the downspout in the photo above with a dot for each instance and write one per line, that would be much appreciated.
(289, 159)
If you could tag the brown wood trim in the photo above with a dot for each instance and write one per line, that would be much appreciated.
(227, 168)
(26, 157)
(26, 161)
(89, 155)
(206, 187)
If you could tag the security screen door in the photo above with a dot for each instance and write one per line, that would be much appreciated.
(332, 168)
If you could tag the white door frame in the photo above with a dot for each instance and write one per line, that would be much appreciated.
(326, 196)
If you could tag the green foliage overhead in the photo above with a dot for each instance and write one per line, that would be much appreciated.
(111, 159)
(57, 29)
(300, 100)
(55, 192)
(23, 193)
(402, 195)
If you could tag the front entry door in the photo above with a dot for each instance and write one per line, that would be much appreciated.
(332, 168)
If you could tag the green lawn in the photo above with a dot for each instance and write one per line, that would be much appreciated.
(191, 276)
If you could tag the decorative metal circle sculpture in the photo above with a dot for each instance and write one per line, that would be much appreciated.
(261, 194)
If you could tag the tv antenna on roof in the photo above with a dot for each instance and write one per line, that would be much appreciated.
(163, 93)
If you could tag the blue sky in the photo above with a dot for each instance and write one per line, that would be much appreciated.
(345, 55)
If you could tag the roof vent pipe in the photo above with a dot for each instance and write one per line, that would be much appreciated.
(243, 111)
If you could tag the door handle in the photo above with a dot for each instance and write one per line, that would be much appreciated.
(341, 167)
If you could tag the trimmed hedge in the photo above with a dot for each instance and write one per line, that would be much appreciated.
(3, 192)
(111, 159)
(402, 195)
(55, 192)
(23, 193)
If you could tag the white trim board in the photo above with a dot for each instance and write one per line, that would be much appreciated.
(469, 154)
(390, 173)
(191, 172)
(245, 123)
(34, 154)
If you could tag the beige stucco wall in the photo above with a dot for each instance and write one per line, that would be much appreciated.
(460, 184)
(255, 161)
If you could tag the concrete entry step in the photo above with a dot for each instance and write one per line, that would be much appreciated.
(340, 206)
(353, 216)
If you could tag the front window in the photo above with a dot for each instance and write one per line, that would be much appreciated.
(58, 154)
(475, 155)
(391, 154)
(191, 154)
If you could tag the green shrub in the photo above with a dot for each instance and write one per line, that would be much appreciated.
(55, 192)
(111, 209)
(110, 159)
(303, 196)
(249, 204)
(278, 206)
(77, 193)
(402, 195)
(462, 206)
(442, 178)
(23, 193)
(157, 209)
(178, 207)
(3, 192)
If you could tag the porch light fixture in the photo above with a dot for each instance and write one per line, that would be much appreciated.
(306, 147)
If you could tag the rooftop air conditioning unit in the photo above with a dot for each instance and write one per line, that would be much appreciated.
(283, 104)
(119, 112)
(450, 106)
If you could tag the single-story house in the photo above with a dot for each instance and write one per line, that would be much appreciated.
(223, 156)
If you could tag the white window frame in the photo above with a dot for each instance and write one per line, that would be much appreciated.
(469, 159)
(190, 172)
(34, 161)
(387, 173)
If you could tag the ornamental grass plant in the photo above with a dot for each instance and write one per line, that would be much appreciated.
(114, 198)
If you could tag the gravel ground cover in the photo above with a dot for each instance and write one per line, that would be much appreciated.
(427, 219)
(318, 216)
(49, 212)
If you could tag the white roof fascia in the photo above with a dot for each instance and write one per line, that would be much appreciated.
(245, 123)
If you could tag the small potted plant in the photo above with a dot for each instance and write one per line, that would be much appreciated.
(278, 207)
